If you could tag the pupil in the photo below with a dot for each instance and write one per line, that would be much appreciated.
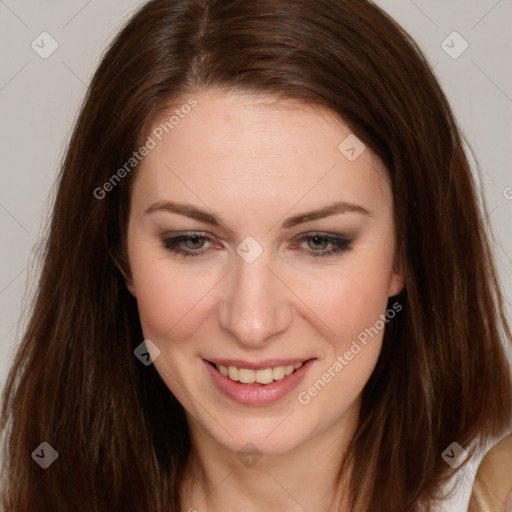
(193, 241)
(319, 242)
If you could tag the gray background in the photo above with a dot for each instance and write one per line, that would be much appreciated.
(39, 99)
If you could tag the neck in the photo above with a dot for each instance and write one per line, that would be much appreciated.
(303, 478)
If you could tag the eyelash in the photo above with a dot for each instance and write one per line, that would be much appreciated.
(339, 244)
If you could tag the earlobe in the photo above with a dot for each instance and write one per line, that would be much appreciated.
(131, 288)
(124, 268)
(128, 279)
(396, 284)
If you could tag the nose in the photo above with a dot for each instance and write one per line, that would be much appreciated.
(255, 306)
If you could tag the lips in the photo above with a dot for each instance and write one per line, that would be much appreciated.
(241, 380)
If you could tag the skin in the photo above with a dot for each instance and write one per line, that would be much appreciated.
(254, 162)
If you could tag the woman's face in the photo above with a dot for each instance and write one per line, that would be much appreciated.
(261, 238)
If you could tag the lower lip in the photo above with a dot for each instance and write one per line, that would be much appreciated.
(256, 394)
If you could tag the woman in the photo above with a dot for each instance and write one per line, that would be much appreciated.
(267, 284)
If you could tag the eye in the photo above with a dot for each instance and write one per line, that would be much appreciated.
(323, 245)
(317, 244)
(187, 245)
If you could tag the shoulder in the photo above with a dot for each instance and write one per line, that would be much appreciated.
(492, 488)
(486, 469)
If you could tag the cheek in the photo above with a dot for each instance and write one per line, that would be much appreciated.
(355, 311)
(351, 298)
(168, 300)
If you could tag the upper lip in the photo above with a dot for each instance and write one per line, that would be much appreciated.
(258, 365)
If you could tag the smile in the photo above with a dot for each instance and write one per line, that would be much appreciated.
(266, 382)
(263, 376)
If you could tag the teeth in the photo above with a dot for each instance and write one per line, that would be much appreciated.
(278, 373)
(244, 375)
(265, 376)
(233, 372)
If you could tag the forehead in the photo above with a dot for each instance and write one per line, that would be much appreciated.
(258, 149)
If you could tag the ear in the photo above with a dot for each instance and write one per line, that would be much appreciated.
(129, 285)
(397, 281)
(124, 268)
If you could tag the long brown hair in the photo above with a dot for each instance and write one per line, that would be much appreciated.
(442, 375)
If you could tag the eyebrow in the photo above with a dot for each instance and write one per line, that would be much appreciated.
(193, 212)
